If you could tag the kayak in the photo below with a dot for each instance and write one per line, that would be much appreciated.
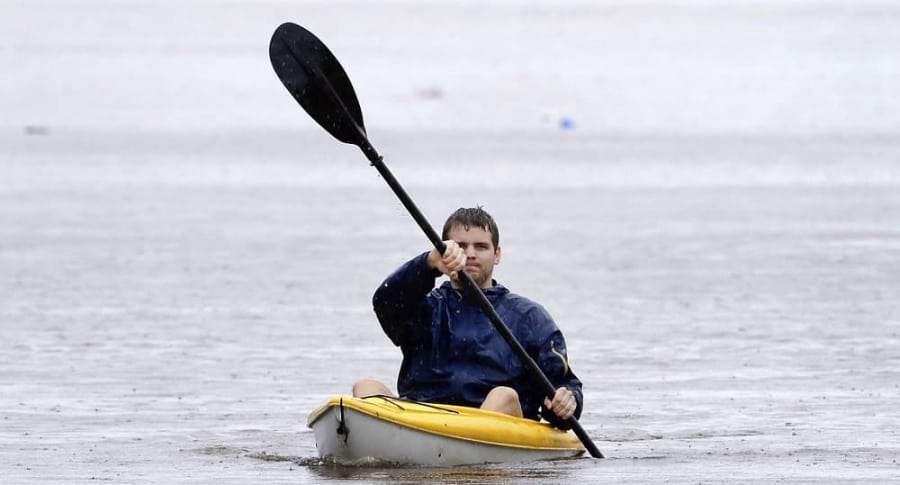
(354, 430)
(394, 430)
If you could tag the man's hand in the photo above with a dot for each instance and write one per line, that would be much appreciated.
(451, 262)
(563, 403)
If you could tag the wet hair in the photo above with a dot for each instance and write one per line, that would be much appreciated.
(472, 217)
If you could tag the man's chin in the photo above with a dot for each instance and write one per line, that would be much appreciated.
(478, 278)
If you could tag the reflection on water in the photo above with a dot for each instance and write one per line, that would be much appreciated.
(535, 472)
(376, 471)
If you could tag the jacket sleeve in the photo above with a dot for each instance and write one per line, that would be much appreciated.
(399, 297)
(554, 361)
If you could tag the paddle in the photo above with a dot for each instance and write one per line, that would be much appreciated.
(315, 78)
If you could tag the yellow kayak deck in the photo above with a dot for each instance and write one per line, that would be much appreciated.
(459, 422)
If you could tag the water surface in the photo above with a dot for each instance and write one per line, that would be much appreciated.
(186, 264)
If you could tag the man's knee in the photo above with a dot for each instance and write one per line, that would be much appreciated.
(370, 387)
(505, 395)
(503, 399)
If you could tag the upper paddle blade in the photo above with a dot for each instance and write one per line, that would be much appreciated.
(315, 78)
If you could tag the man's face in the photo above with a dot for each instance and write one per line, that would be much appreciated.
(481, 255)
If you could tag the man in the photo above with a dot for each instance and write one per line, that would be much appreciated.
(451, 352)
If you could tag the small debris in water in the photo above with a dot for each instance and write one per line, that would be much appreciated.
(36, 130)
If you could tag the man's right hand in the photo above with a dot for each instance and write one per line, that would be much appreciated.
(451, 262)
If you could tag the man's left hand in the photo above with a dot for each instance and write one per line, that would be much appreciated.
(563, 403)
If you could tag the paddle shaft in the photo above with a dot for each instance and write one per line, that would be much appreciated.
(533, 369)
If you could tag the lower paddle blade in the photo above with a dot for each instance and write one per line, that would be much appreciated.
(315, 78)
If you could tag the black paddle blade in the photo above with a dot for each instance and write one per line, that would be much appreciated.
(315, 78)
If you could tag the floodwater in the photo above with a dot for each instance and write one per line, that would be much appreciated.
(705, 195)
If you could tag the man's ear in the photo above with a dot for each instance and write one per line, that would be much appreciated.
(497, 256)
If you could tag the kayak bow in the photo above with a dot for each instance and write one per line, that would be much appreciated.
(393, 430)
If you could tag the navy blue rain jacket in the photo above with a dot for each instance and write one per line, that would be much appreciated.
(451, 352)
